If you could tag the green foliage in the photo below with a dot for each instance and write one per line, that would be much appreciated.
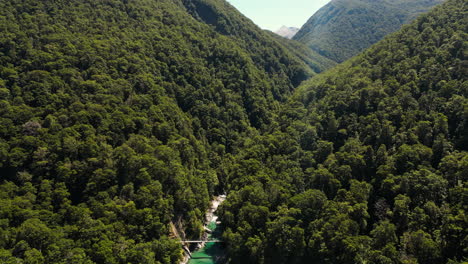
(121, 119)
(317, 62)
(115, 117)
(366, 163)
(343, 28)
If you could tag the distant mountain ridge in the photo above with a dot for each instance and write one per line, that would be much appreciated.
(314, 61)
(287, 32)
(343, 28)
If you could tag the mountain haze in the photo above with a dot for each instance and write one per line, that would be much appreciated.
(287, 32)
(343, 28)
(315, 61)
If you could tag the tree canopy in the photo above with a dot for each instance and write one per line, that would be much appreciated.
(119, 120)
(344, 28)
(116, 117)
(366, 163)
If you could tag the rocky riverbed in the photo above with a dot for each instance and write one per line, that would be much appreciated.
(207, 253)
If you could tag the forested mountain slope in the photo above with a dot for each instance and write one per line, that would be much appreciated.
(115, 119)
(226, 20)
(368, 162)
(343, 28)
(315, 61)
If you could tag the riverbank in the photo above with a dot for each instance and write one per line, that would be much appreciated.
(208, 253)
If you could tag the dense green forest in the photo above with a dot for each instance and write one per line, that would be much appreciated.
(118, 118)
(367, 163)
(344, 28)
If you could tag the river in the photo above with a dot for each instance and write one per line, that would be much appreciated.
(211, 252)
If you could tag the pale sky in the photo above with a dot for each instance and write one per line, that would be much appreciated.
(272, 14)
